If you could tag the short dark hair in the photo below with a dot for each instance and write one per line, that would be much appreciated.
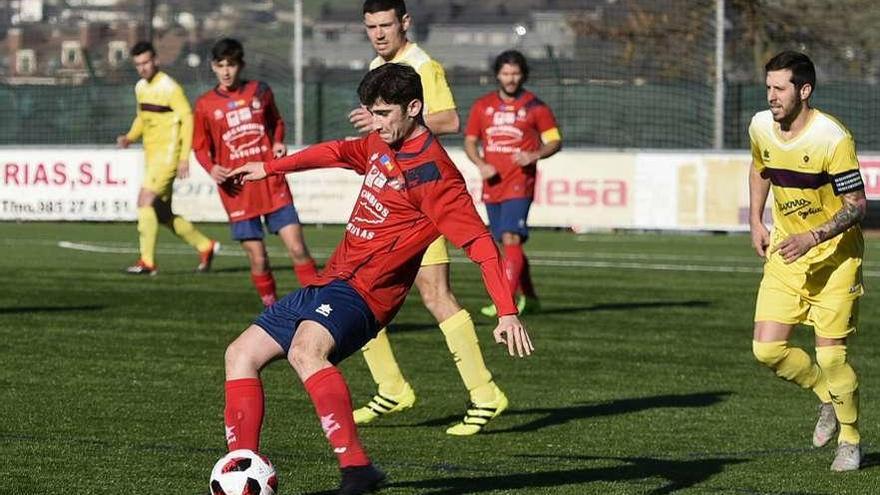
(373, 6)
(802, 69)
(512, 57)
(397, 84)
(142, 47)
(229, 49)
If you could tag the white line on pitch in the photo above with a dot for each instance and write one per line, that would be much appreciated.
(119, 249)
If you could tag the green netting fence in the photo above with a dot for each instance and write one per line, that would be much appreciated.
(590, 114)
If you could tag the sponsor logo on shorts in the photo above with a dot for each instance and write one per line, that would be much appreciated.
(324, 310)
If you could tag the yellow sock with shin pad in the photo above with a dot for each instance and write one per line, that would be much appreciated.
(184, 229)
(792, 364)
(380, 359)
(843, 386)
(461, 338)
(148, 231)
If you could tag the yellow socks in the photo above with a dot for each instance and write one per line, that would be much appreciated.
(185, 230)
(461, 338)
(792, 364)
(380, 359)
(148, 230)
(843, 385)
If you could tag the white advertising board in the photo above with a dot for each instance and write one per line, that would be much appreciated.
(70, 184)
(576, 189)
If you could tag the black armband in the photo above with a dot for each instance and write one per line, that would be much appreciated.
(847, 182)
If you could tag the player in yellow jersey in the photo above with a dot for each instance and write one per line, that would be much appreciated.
(165, 121)
(386, 22)
(813, 258)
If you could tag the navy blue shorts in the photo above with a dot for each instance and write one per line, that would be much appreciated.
(252, 228)
(509, 216)
(336, 306)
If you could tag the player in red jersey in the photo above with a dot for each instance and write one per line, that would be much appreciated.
(237, 122)
(411, 193)
(516, 130)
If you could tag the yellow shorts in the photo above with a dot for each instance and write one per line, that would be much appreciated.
(436, 254)
(159, 179)
(825, 297)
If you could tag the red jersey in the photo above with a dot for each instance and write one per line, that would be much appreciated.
(408, 198)
(233, 128)
(504, 128)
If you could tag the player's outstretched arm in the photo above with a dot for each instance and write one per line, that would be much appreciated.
(249, 172)
(510, 331)
(329, 154)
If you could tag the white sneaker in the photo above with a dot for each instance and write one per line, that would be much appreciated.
(848, 458)
(826, 425)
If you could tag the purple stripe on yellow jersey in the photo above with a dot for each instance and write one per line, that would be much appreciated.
(149, 107)
(801, 180)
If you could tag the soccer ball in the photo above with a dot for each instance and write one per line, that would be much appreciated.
(243, 472)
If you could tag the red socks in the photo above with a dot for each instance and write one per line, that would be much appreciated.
(329, 393)
(306, 273)
(514, 259)
(525, 279)
(265, 284)
(244, 413)
(332, 402)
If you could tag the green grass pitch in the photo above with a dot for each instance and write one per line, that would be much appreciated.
(642, 381)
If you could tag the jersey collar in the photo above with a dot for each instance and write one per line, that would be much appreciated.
(227, 94)
(406, 155)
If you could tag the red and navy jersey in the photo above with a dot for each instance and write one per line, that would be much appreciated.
(505, 128)
(236, 127)
(408, 198)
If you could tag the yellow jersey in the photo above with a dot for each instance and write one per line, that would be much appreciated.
(164, 119)
(808, 174)
(438, 96)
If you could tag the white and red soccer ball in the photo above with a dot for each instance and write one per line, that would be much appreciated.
(243, 472)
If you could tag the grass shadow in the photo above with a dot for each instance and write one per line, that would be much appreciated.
(624, 307)
(554, 416)
(50, 309)
(674, 475)
(870, 460)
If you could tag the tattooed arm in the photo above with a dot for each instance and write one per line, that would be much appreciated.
(852, 212)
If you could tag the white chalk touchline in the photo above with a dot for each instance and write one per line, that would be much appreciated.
(535, 258)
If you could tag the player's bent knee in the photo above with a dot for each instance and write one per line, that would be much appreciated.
(311, 346)
(441, 304)
(163, 210)
(511, 239)
(769, 353)
(298, 254)
(829, 357)
(305, 360)
(237, 358)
